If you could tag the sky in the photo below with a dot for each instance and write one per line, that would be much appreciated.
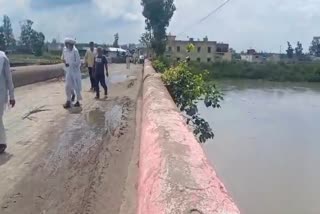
(265, 25)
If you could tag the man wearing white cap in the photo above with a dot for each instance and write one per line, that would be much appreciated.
(71, 59)
(6, 95)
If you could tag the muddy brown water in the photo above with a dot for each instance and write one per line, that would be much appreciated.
(266, 148)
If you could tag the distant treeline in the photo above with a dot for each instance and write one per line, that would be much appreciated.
(309, 72)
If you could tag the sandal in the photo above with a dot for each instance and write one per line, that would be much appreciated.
(77, 104)
(67, 105)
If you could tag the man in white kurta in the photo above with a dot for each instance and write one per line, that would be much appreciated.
(6, 95)
(72, 62)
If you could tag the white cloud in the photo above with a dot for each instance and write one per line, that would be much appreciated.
(264, 25)
(128, 9)
(96, 20)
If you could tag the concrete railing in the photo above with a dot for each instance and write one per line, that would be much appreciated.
(175, 175)
(32, 74)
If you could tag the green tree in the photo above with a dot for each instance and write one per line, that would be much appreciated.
(26, 33)
(315, 47)
(146, 39)
(158, 14)
(32, 39)
(290, 51)
(2, 40)
(299, 50)
(116, 40)
(37, 42)
(8, 32)
(188, 88)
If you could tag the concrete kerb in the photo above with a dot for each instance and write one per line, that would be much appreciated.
(174, 174)
(32, 74)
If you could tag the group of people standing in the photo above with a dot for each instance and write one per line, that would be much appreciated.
(95, 61)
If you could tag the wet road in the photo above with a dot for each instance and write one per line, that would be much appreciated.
(76, 161)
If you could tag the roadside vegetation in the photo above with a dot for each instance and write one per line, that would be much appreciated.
(186, 87)
(30, 59)
(187, 90)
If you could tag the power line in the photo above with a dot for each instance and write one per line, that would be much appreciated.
(206, 17)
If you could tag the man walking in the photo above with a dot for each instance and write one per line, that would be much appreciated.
(6, 88)
(71, 59)
(89, 62)
(100, 63)
(128, 58)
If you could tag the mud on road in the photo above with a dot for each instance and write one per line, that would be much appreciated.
(74, 162)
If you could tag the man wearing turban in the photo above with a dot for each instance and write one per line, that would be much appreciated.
(71, 59)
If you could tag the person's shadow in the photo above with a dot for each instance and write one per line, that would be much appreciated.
(4, 158)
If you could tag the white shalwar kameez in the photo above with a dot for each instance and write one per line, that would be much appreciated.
(6, 88)
(73, 73)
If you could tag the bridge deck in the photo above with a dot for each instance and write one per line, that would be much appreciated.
(61, 162)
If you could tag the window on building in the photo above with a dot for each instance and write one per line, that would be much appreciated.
(169, 49)
(198, 59)
(209, 49)
(199, 49)
(178, 48)
(178, 59)
(209, 59)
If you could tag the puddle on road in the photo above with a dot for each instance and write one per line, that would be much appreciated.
(113, 118)
(83, 135)
(107, 121)
(96, 118)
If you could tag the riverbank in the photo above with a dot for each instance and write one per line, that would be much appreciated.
(300, 72)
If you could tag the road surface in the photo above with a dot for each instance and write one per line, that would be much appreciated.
(81, 161)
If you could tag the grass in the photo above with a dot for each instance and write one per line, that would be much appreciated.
(29, 59)
(300, 72)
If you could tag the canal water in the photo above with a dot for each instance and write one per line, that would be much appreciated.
(267, 145)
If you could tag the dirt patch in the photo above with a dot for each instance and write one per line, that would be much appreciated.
(131, 84)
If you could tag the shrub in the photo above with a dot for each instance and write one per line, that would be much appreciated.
(187, 89)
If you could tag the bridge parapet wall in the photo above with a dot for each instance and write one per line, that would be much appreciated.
(175, 175)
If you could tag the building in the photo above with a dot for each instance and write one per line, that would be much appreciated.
(247, 57)
(205, 50)
(274, 58)
(252, 56)
(251, 52)
(116, 52)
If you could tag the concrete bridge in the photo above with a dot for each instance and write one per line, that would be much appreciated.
(129, 154)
